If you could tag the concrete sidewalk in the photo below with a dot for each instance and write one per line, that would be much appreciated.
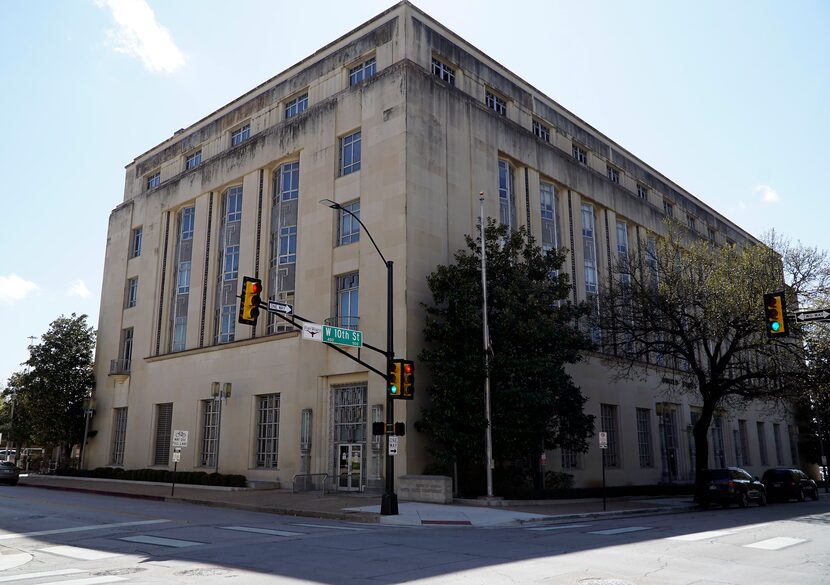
(366, 508)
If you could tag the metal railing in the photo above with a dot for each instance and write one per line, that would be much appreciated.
(119, 367)
(346, 322)
(310, 482)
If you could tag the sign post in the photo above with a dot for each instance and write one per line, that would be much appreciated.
(179, 440)
(603, 446)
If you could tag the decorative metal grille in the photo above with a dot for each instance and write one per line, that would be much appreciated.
(164, 423)
(210, 424)
(268, 431)
(119, 435)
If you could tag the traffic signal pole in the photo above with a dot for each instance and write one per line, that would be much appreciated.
(389, 502)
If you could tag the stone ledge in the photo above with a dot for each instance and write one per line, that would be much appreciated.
(435, 489)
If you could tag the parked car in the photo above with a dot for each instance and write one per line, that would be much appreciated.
(784, 483)
(732, 485)
(8, 473)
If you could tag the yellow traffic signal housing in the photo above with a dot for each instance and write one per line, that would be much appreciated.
(249, 300)
(775, 310)
(407, 379)
(393, 379)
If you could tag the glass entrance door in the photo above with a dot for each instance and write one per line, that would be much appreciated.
(349, 467)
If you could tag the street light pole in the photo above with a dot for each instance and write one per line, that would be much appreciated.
(389, 502)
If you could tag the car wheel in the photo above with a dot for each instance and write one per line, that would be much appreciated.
(801, 497)
(762, 499)
(743, 501)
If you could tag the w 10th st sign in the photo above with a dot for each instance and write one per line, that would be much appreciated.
(341, 336)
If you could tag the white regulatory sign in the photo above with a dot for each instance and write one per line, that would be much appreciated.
(177, 456)
(313, 331)
(603, 440)
(179, 438)
(393, 445)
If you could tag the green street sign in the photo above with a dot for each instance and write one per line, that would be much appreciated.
(342, 336)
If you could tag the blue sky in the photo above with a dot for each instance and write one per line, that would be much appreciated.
(728, 99)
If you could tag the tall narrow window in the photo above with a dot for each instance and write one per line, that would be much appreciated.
(550, 227)
(589, 249)
(135, 246)
(644, 443)
(613, 174)
(119, 435)
(443, 71)
(164, 425)
(570, 459)
(126, 349)
(651, 260)
(350, 153)
(668, 209)
(608, 420)
(495, 103)
(622, 251)
(642, 191)
(363, 71)
(296, 106)
(268, 431)
(762, 442)
(580, 154)
(692, 223)
(132, 292)
(779, 449)
(210, 426)
(184, 255)
(348, 296)
(283, 242)
(793, 436)
(226, 300)
(240, 135)
(193, 160)
(507, 198)
(348, 229)
(743, 437)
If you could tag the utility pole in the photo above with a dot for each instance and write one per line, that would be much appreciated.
(488, 437)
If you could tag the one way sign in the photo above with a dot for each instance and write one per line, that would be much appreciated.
(275, 307)
(820, 315)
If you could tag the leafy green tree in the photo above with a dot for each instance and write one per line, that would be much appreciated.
(683, 303)
(58, 380)
(535, 404)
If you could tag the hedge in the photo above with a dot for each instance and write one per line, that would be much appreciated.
(159, 475)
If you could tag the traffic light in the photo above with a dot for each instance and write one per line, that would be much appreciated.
(393, 379)
(407, 379)
(249, 300)
(400, 429)
(775, 308)
(378, 428)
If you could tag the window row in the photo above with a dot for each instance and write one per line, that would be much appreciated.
(672, 459)
(265, 437)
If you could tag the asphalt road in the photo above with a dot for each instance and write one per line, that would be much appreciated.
(82, 539)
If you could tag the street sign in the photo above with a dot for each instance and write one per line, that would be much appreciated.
(177, 456)
(820, 315)
(179, 438)
(275, 307)
(603, 440)
(313, 331)
(341, 336)
(393, 445)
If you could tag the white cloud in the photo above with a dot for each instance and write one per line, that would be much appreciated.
(768, 194)
(139, 35)
(13, 288)
(78, 289)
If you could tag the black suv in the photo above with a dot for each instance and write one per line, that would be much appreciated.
(787, 484)
(732, 485)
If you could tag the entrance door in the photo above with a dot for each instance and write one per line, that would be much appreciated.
(349, 467)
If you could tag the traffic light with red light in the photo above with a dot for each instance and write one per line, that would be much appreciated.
(407, 379)
(249, 300)
(775, 309)
(393, 379)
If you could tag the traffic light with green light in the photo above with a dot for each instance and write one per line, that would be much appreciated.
(249, 300)
(393, 379)
(775, 310)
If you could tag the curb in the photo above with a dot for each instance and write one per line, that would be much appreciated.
(613, 514)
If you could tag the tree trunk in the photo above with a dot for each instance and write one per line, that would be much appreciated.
(701, 436)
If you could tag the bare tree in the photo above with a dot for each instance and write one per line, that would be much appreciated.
(682, 303)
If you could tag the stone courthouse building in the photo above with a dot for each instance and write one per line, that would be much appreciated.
(403, 123)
